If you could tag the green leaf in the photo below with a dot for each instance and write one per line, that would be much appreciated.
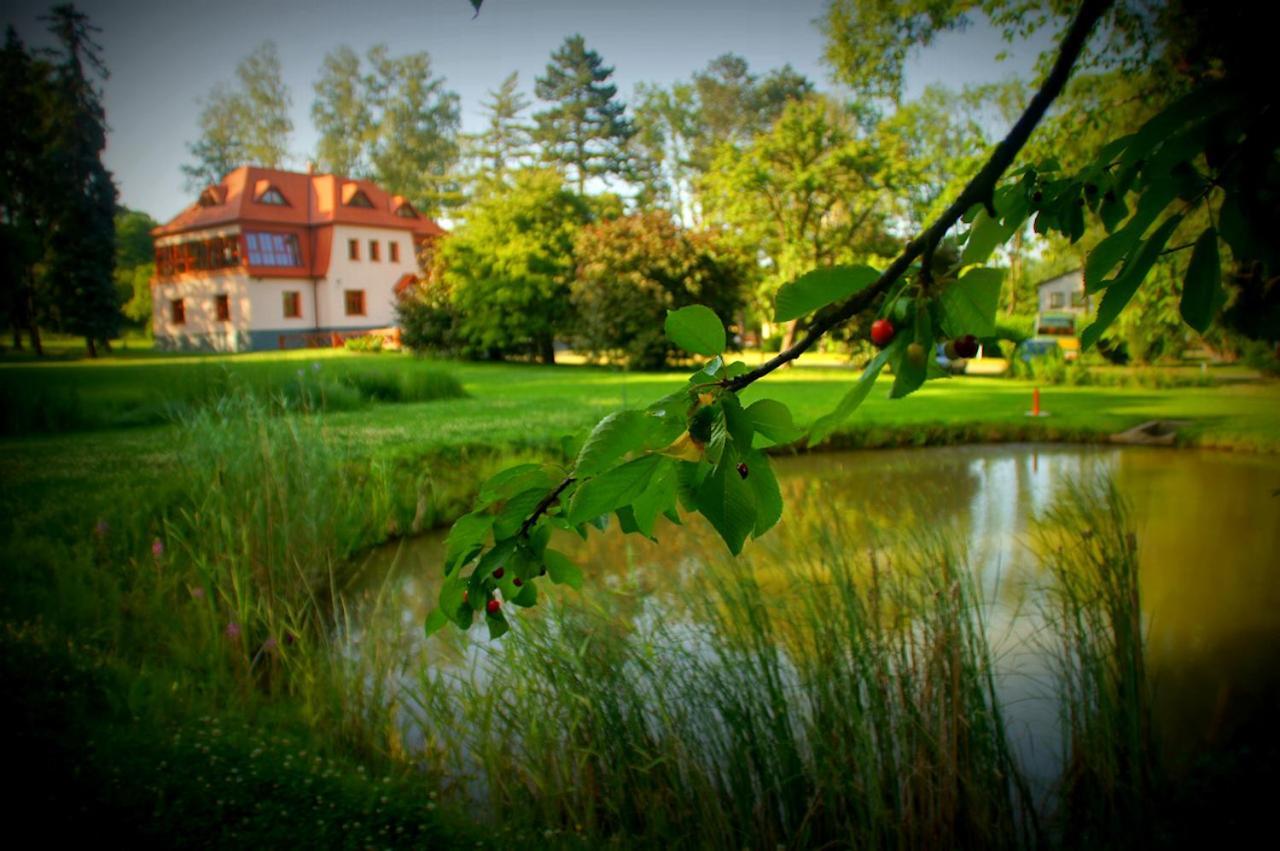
(1114, 248)
(984, 236)
(497, 624)
(435, 621)
(727, 501)
(764, 487)
(1202, 288)
(826, 424)
(467, 535)
(1126, 284)
(658, 496)
(696, 329)
(908, 376)
(773, 419)
(512, 516)
(613, 437)
(511, 481)
(821, 287)
(970, 303)
(740, 426)
(562, 570)
(527, 596)
(610, 491)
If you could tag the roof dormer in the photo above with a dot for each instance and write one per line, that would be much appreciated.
(354, 196)
(402, 208)
(212, 196)
(266, 192)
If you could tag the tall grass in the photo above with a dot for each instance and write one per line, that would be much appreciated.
(857, 708)
(1094, 613)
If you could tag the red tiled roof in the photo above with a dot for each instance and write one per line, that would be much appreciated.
(313, 200)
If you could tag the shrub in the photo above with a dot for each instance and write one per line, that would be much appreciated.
(632, 270)
(371, 343)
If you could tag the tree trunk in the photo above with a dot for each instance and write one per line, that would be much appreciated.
(547, 350)
(789, 337)
(93, 348)
(17, 337)
(33, 331)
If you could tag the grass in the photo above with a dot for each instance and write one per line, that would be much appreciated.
(199, 568)
(116, 392)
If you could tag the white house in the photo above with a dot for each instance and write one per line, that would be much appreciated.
(1063, 294)
(271, 259)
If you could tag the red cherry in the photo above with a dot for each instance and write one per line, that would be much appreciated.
(492, 607)
(497, 574)
(517, 582)
(742, 469)
(967, 346)
(882, 332)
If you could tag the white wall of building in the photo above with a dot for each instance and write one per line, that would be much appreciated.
(266, 304)
(376, 277)
(202, 328)
(1056, 294)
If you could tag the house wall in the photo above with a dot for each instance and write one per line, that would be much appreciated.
(202, 330)
(377, 278)
(1065, 286)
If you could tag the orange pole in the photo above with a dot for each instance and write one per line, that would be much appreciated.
(1035, 402)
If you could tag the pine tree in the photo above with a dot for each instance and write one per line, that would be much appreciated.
(505, 143)
(585, 129)
(80, 261)
(22, 79)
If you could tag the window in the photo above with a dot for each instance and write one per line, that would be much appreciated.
(353, 249)
(393, 248)
(355, 302)
(292, 304)
(272, 249)
(272, 197)
(178, 312)
(374, 250)
(359, 199)
(404, 211)
(222, 308)
(219, 252)
(1055, 301)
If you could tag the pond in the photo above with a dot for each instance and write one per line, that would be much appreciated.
(1207, 525)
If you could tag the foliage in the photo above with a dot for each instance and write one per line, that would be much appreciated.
(135, 264)
(80, 292)
(806, 194)
(505, 143)
(247, 124)
(507, 269)
(585, 129)
(415, 129)
(632, 270)
(370, 343)
(342, 115)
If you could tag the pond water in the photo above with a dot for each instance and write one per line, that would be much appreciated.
(1208, 526)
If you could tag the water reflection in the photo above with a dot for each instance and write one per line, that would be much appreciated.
(1208, 525)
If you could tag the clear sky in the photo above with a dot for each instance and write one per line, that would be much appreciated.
(164, 55)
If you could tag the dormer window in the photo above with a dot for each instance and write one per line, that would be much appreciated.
(359, 199)
(211, 197)
(404, 211)
(265, 192)
(273, 197)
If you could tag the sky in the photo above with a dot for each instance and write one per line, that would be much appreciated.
(165, 55)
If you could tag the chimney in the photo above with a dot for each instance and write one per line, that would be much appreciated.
(311, 167)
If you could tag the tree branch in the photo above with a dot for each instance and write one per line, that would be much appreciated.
(979, 190)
